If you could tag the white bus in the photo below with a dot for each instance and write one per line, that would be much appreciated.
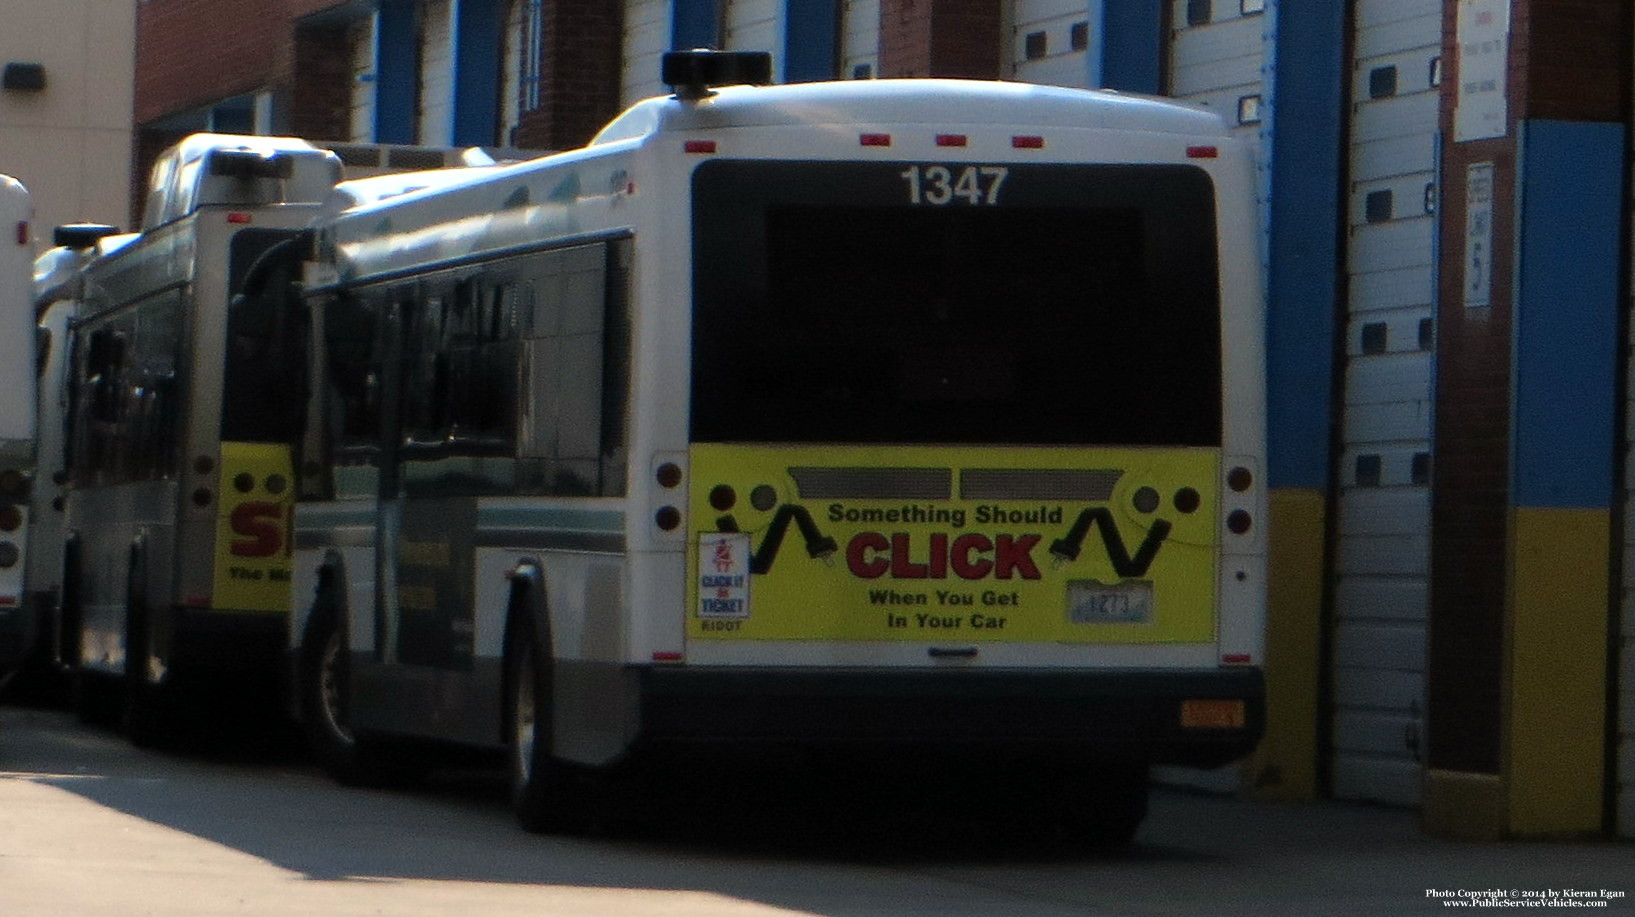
(17, 625)
(993, 352)
(175, 518)
(58, 289)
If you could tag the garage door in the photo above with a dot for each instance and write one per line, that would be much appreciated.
(436, 74)
(1217, 59)
(1382, 558)
(646, 38)
(756, 25)
(860, 39)
(361, 37)
(1049, 41)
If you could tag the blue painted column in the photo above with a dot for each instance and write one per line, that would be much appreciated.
(397, 72)
(695, 24)
(1568, 338)
(478, 56)
(1304, 218)
(1132, 46)
(811, 48)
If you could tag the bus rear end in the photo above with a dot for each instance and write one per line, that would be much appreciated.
(17, 625)
(975, 447)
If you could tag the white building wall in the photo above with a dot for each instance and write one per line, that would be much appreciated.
(70, 144)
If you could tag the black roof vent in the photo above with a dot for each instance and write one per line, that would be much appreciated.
(692, 73)
(81, 235)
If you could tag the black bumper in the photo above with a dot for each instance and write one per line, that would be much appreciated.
(232, 643)
(1127, 714)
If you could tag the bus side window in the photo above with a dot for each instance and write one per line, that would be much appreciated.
(574, 362)
(481, 359)
(104, 363)
(350, 326)
(152, 428)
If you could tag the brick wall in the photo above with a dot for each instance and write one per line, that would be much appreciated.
(1567, 61)
(190, 53)
(579, 75)
(1576, 60)
(320, 96)
(940, 38)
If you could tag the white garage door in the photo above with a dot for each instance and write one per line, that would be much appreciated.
(361, 36)
(1382, 561)
(1217, 59)
(436, 74)
(1049, 41)
(860, 39)
(646, 38)
(756, 25)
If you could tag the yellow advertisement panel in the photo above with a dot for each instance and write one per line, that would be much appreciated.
(953, 544)
(253, 528)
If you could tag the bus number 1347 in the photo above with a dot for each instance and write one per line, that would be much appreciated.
(941, 185)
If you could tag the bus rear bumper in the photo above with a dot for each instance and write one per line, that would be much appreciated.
(1197, 718)
(228, 643)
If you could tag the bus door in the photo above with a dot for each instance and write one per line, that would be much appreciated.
(436, 469)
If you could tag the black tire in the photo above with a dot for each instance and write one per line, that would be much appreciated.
(93, 698)
(348, 758)
(542, 787)
(147, 719)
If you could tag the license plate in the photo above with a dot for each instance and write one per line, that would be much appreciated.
(1092, 602)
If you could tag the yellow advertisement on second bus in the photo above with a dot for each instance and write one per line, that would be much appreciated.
(967, 544)
(253, 528)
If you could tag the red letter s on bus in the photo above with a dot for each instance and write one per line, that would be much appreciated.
(259, 524)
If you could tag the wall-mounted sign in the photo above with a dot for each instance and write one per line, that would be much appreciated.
(1478, 235)
(1481, 109)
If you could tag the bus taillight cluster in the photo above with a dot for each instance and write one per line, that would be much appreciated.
(14, 487)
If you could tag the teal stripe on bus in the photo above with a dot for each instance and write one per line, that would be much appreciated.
(550, 519)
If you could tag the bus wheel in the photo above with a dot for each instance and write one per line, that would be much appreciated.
(93, 698)
(147, 718)
(540, 791)
(348, 758)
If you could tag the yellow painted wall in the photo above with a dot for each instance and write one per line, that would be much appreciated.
(1555, 718)
(1285, 765)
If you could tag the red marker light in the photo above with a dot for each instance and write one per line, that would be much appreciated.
(1028, 143)
(666, 656)
(1203, 152)
(874, 139)
(238, 216)
(699, 146)
(1235, 659)
(22, 232)
(950, 140)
